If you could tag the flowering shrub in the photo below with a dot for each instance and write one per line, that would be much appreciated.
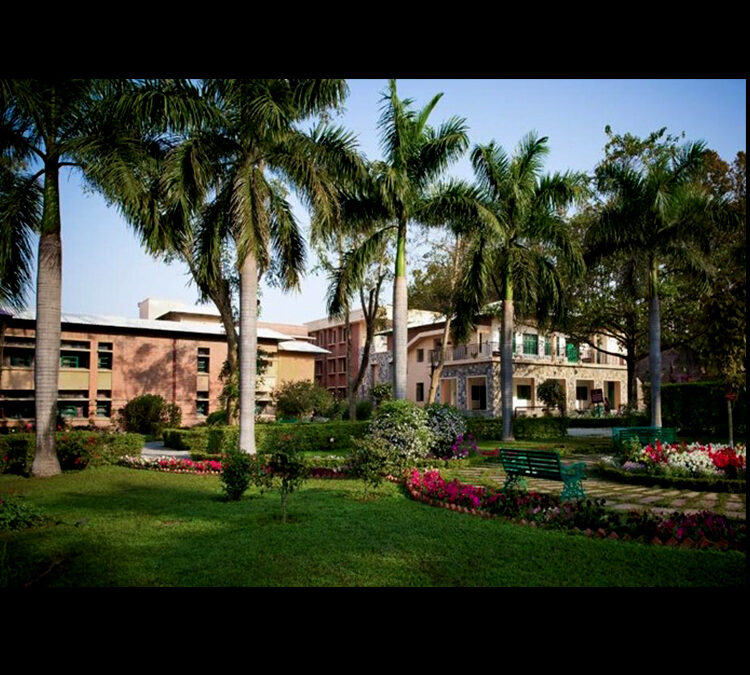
(446, 424)
(463, 446)
(403, 425)
(211, 467)
(590, 516)
(694, 459)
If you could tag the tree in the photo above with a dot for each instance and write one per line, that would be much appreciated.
(655, 210)
(46, 125)
(401, 191)
(519, 249)
(230, 178)
(435, 287)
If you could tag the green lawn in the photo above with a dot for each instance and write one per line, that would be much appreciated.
(120, 527)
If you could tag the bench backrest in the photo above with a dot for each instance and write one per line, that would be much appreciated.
(622, 435)
(532, 463)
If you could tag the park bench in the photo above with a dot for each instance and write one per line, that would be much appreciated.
(623, 435)
(520, 464)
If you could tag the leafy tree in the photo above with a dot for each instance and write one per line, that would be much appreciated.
(519, 246)
(46, 125)
(401, 191)
(655, 211)
(230, 177)
(552, 394)
(296, 399)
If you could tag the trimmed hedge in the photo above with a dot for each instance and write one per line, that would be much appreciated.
(75, 449)
(700, 408)
(315, 436)
(707, 484)
(611, 421)
(524, 428)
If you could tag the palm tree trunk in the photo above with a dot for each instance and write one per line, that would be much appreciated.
(654, 325)
(48, 315)
(400, 316)
(248, 351)
(349, 377)
(506, 362)
(506, 369)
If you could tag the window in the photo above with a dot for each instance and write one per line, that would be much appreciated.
(104, 356)
(342, 365)
(21, 359)
(547, 346)
(478, 388)
(523, 391)
(420, 355)
(582, 393)
(571, 351)
(201, 403)
(530, 343)
(203, 359)
(104, 408)
(420, 391)
(68, 361)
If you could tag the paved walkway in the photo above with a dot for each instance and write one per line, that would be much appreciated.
(624, 496)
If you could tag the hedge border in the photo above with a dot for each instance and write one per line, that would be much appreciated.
(736, 486)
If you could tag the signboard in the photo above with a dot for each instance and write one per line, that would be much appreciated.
(597, 396)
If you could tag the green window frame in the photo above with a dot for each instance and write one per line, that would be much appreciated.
(547, 346)
(530, 343)
(69, 361)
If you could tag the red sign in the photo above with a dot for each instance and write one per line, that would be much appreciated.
(731, 396)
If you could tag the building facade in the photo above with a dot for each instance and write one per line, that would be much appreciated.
(107, 361)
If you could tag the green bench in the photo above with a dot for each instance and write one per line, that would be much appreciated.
(520, 464)
(623, 435)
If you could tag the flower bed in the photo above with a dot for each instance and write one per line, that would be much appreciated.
(172, 465)
(701, 530)
(680, 460)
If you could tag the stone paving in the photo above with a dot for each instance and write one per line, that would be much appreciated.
(623, 496)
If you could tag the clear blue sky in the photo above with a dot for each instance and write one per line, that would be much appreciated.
(105, 270)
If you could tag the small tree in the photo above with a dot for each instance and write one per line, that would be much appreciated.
(149, 414)
(383, 391)
(299, 399)
(552, 394)
(370, 461)
(289, 469)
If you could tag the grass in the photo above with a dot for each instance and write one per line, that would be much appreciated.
(120, 527)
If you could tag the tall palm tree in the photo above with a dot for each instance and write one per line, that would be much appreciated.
(46, 125)
(516, 252)
(656, 211)
(227, 181)
(401, 191)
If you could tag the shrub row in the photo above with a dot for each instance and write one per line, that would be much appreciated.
(611, 421)
(75, 449)
(524, 428)
(704, 484)
(321, 437)
(699, 408)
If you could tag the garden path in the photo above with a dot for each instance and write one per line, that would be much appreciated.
(623, 496)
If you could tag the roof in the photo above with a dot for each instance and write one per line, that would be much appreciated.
(149, 324)
(301, 346)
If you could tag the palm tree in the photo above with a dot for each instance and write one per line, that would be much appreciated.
(226, 182)
(517, 250)
(401, 190)
(47, 125)
(654, 212)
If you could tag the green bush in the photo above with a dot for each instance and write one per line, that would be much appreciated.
(288, 469)
(217, 417)
(235, 474)
(446, 424)
(524, 428)
(75, 449)
(370, 461)
(700, 408)
(194, 440)
(149, 414)
(382, 391)
(403, 425)
(551, 393)
(16, 514)
(364, 409)
(301, 399)
(608, 422)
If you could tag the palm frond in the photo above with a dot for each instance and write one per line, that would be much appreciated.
(288, 244)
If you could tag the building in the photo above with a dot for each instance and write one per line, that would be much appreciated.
(471, 376)
(172, 350)
(331, 369)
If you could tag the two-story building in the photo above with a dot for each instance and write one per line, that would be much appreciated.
(171, 350)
